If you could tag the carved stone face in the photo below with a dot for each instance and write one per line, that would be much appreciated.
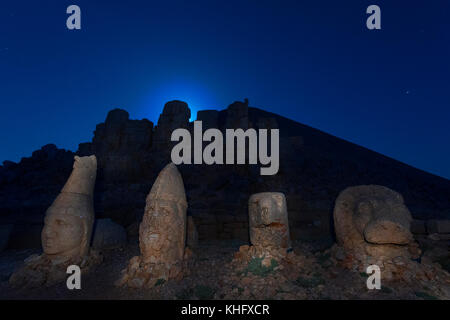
(268, 220)
(161, 232)
(267, 207)
(382, 221)
(63, 233)
(374, 220)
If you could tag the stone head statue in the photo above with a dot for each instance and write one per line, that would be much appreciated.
(372, 218)
(268, 220)
(162, 232)
(69, 220)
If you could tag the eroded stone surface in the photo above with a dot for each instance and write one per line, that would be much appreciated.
(373, 227)
(127, 161)
(175, 115)
(269, 232)
(162, 234)
(108, 234)
(268, 220)
(67, 230)
(438, 226)
(209, 118)
(237, 115)
(372, 219)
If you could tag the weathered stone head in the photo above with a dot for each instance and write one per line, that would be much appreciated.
(69, 220)
(372, 219)
(67, 231)
(162, 232)
(268, 220)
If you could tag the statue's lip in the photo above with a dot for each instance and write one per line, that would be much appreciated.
(48, 242)
(387, 232)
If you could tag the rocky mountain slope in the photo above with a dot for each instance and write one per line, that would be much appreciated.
(314, 168)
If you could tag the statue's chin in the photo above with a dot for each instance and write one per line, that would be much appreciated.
(387, 232)
(58, 253)
(52, 252)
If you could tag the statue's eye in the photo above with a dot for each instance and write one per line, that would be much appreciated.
(164, 209)
(374, 203)
(364, 207)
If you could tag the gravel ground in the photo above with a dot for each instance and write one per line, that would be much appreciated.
(216, 276)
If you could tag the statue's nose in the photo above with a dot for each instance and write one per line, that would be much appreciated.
(48, 233)
(265, 215)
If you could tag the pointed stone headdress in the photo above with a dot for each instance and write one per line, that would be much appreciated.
(82, 178)
(76, 197)
(168, 186)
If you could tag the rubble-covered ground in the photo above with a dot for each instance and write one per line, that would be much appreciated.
(217, 274)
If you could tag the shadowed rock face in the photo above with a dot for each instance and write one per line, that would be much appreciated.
(314, 168)
(108, 234)
(209, 118)
(191, 233)
(372, 218)
(269, 226)
(175, 115)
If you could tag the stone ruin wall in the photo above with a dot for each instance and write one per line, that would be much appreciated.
(131, 153)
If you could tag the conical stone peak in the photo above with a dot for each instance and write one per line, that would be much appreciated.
(168, 186)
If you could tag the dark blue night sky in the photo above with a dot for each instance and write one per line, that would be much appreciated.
(311, 61)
